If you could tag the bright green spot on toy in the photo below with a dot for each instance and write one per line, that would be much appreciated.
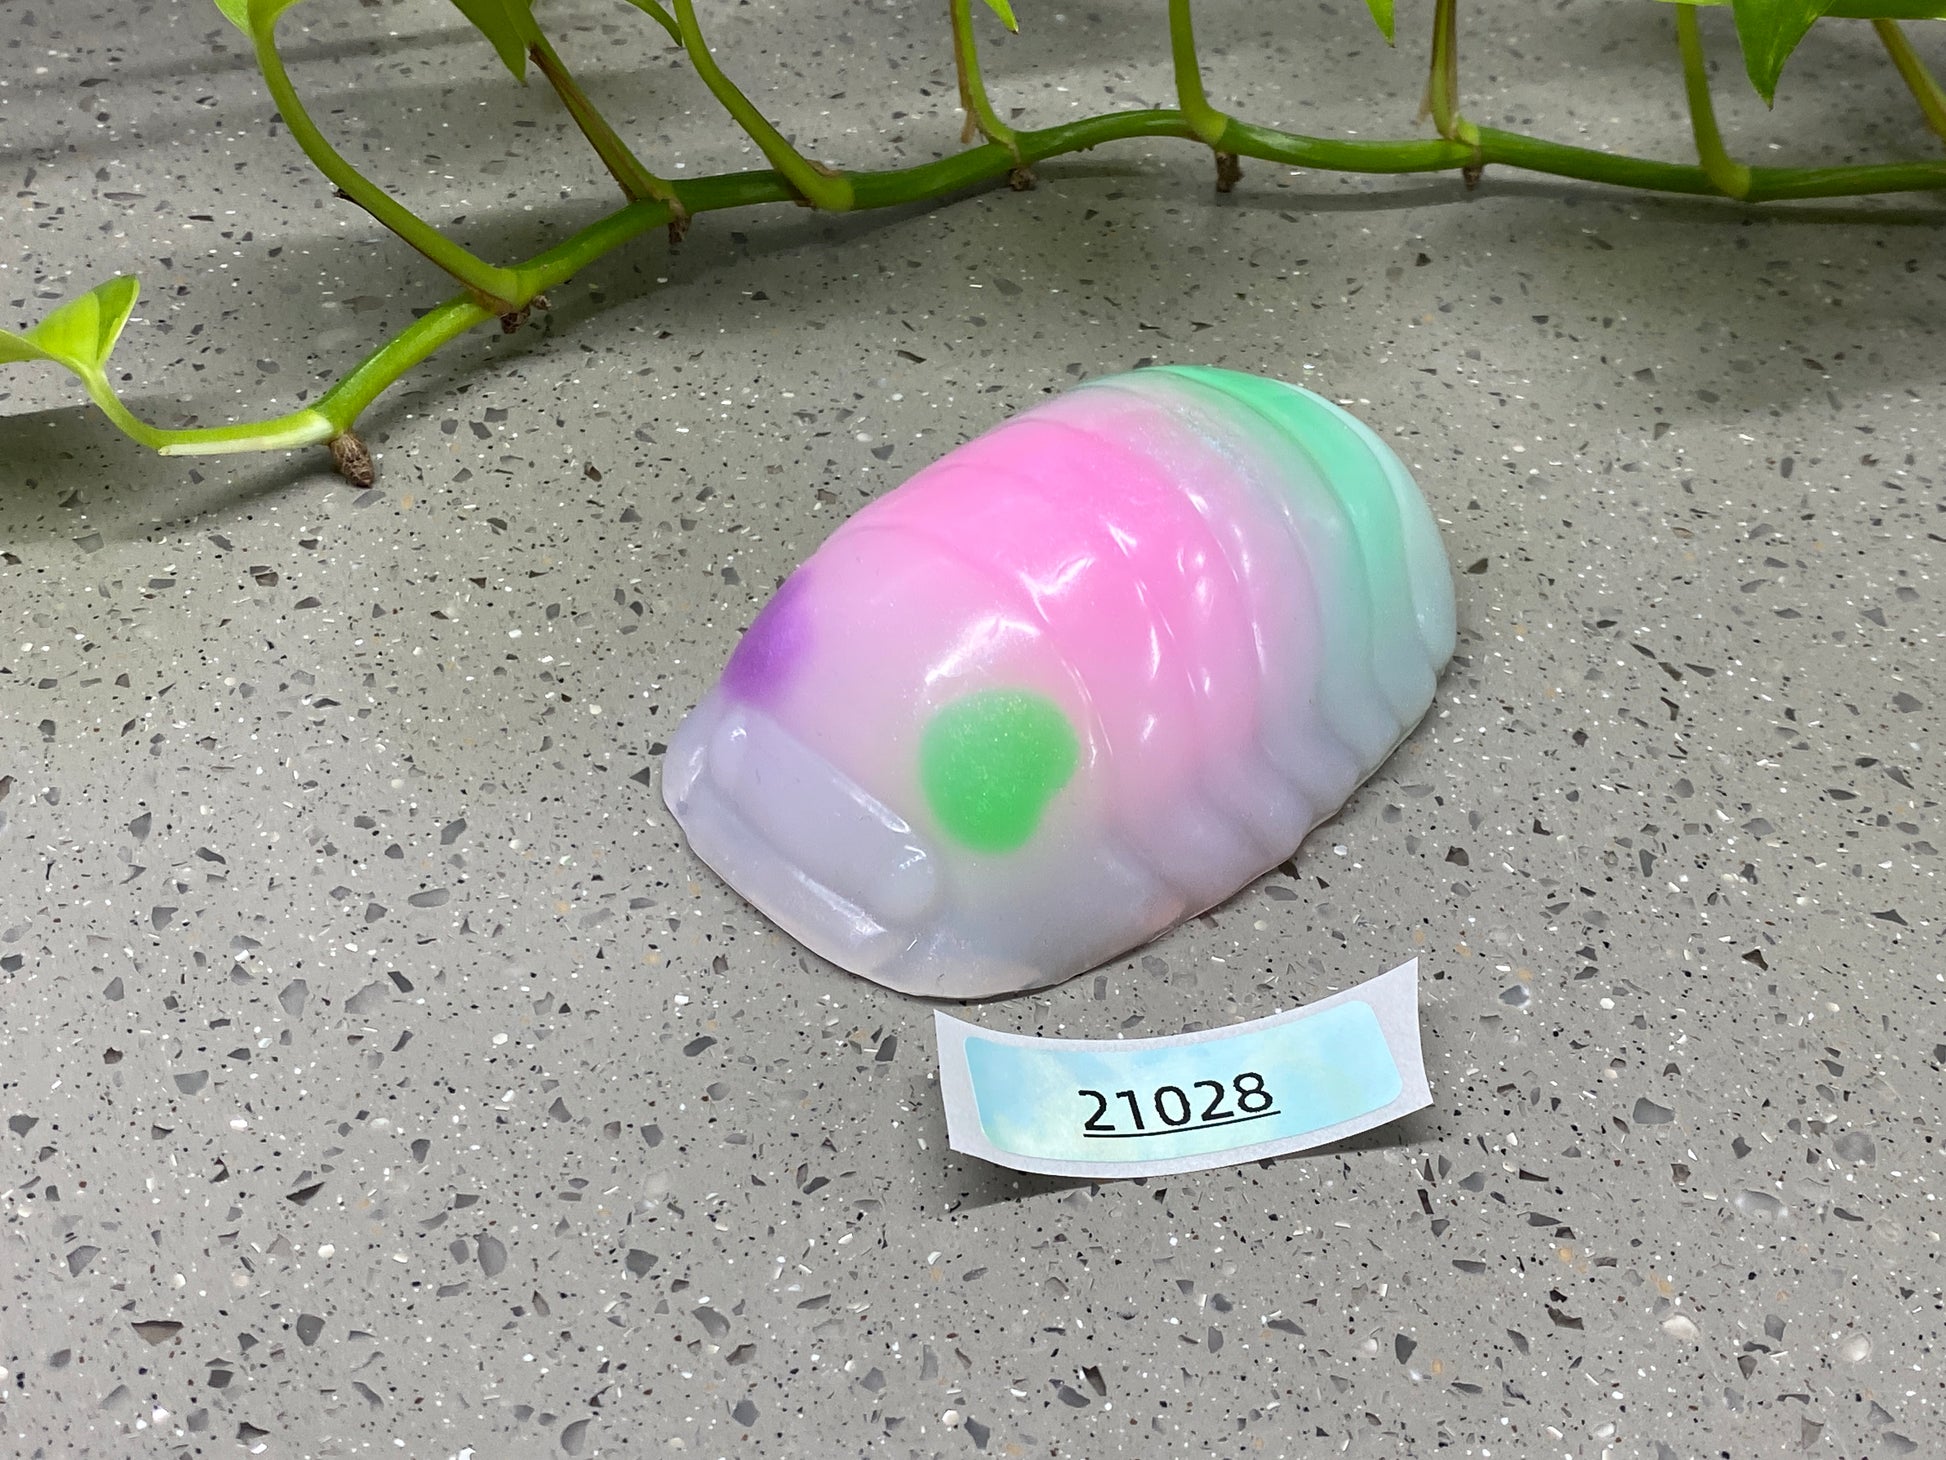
(991, 762)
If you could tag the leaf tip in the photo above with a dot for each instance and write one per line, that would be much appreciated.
(1005, 10)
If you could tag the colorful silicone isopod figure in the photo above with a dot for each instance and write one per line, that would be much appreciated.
(1082, 678)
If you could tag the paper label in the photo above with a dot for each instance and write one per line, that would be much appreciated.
(1214, 1097)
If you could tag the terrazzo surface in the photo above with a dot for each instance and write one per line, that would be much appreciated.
(382, 1075)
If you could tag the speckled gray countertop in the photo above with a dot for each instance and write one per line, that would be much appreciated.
(381, 1074)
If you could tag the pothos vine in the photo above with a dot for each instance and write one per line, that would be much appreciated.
(81, 333)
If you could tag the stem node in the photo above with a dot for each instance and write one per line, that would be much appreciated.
(353, 459)
(1229, 171)
(513, 319)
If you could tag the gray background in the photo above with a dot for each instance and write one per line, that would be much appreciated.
(365, 1017)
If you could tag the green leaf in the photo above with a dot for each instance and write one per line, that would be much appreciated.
(237, 12)
(509, 24)
(80, 333)
(1382, 13)
(1770, 31)
(1006, 13)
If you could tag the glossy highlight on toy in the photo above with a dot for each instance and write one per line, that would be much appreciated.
(1078, 680)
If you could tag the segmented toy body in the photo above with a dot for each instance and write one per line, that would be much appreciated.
(1081, 678)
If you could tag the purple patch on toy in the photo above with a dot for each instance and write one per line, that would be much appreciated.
(773, 643)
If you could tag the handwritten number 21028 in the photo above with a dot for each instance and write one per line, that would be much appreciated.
(1174, 1107)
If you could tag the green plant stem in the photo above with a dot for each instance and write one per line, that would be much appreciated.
(1782, 184)
(372, 376)
(972, 89)
(279, 433)
(1925, 90)
(1726, 174)
(1207, 123)
(103, 395)
(1334, 154)
(635, 180)
(497, 287)
(1442, 78)
(339, 408)
(817, 186)
(661, 17)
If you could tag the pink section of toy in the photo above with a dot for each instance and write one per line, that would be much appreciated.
(1133, 589)
(1233, 484)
